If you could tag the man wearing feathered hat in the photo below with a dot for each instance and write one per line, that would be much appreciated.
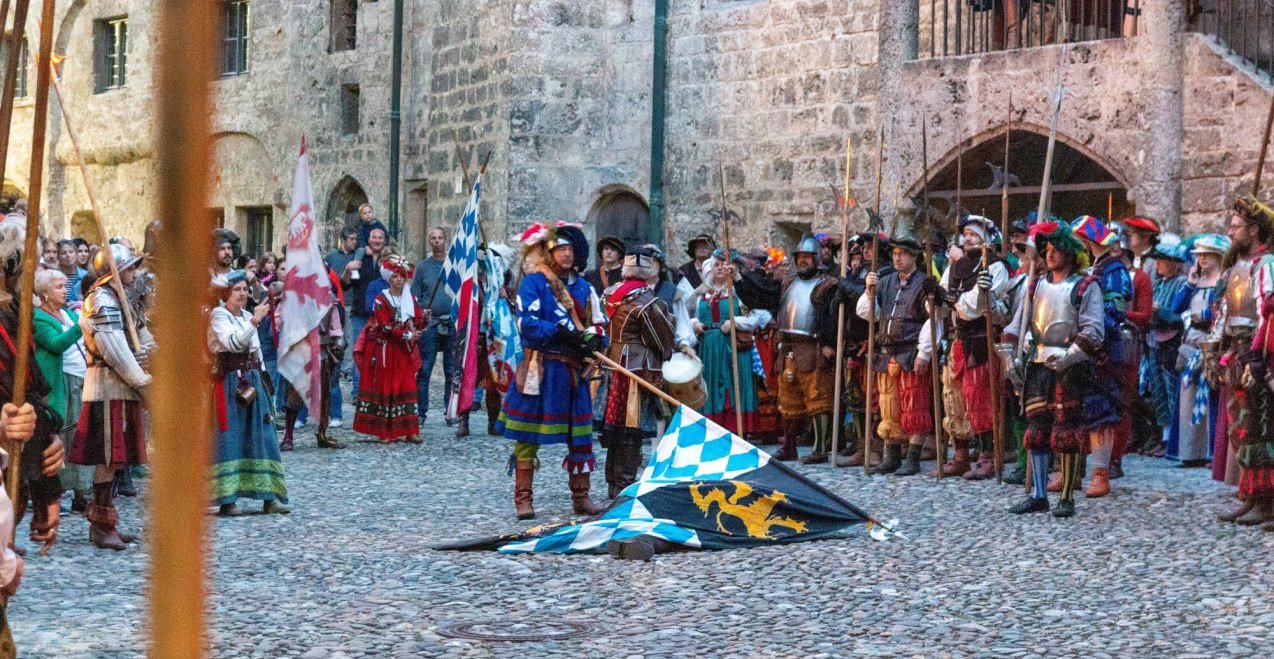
(110, 436)
(642, 339)
(1065, 325)
(1247, 315)
(1118, 368)
(905, 353)
(802, 306)
(561, 324)
(975, 281)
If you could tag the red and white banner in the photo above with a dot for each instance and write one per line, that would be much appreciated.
(307, 294)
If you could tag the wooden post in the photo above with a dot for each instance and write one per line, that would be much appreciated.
(181, 406)
(31, 250)
(734, 336)
(837, 422)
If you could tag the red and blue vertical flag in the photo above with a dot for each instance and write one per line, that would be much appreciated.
(460, 276)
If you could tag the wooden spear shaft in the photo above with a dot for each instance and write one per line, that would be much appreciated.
(10, 76)
(734, 336)
(1004, 187)
(869, 430)
(26, 303)
(997, 382)
(934, 375)
(1265, 145)
(115, 283)
(837, 422)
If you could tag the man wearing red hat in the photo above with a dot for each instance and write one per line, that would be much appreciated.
(1143, 235)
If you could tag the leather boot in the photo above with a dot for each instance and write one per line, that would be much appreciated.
(288, 428)
(984, 469)
(494, 403)
(462, 425)
(1055, 482)
(580, 503)
(787, 451)
(852, 459)
(911, 463)
(627, 466)
(893, 460)
(523, 478)
(1231, 515)
(327, 441)
(1099, 484)
(959, 465)
(1262, 511)
(103, 518)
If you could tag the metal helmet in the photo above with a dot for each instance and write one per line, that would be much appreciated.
(124, 259)
(808, 245)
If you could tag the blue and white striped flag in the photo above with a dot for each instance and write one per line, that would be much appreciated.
(460, 275)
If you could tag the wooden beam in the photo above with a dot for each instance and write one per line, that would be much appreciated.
(1033, 189)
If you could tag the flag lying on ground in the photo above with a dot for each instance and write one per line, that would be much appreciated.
(704, 488)
(307, 293)
(504, 344)
(460, 276)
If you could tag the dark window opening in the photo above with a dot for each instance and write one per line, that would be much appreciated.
(344, 25)
(258, 222)
(349, 109)
(110, 46)
(235, 38)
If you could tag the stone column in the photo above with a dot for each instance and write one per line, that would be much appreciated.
(898, 44)
(1158, 192)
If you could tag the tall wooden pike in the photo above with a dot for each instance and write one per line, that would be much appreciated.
(734, 333)
(31, 252)
(846, 200)
(997, 383)
(935, 371)
(869, 429)
(1004, 185)
(10, 74)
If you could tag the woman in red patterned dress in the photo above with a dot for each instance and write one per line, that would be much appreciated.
(388, 355)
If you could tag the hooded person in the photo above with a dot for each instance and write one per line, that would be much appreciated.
(642, 338)
(561, 324)
(1247, 313)
(974, 283)
(904, 355)
(802, 306)
(1067, 408)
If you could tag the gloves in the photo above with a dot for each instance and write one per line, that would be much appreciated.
(592, 342)
(984, 280)
(1074, 355)
(950, 297)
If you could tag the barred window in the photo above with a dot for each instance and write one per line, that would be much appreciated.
(110, 44)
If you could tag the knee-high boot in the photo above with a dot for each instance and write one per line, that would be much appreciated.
(103, 518)
(494, 402)
(580, 503)
(788, 449)
(524, 477)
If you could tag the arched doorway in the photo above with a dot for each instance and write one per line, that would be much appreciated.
(342, 207)
(1081, 185)
(620, 211)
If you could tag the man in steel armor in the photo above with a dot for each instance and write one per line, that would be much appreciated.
(1063, 324)
(1247, 314)
(110, 435)
(976, 277)
(642, 339)
(904, 354)
(802, 305)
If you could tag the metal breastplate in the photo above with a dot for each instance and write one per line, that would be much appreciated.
(1054, 318)
(796, 310)
(1240, 303)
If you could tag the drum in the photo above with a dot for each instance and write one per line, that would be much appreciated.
(683, 379)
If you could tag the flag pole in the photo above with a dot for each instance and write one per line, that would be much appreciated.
(111, 265)
(734, 337)
(181, 415)
(837, 421)
(26, 304)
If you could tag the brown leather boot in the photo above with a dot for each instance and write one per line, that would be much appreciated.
(1055, 482)
(523, 477)
(493, 403)
(580, 503)
(787, 451)
(1099, 484)
(462, 425)
(1233, 514)
(854, 459)
(960, 463)
(103, 518)
(983, 469)
(1262, 511)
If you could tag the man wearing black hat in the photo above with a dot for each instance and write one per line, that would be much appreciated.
(610, 254)
(699, 249)
(905, 354)
(642, 339)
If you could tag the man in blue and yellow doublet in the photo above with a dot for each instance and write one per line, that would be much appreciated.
(560, 321)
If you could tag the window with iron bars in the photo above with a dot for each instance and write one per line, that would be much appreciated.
(343, 26)
(236, 38)
(951, 28)
(110, 44)
(24, 56)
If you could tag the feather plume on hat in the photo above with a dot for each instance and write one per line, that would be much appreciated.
(1061, 237)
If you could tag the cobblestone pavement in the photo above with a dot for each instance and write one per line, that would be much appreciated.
(1146, 572)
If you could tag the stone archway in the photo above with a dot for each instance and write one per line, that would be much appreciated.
(620, 211)
(342, 207)
(1081, 183)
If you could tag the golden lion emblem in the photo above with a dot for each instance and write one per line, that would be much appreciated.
(756, 516)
